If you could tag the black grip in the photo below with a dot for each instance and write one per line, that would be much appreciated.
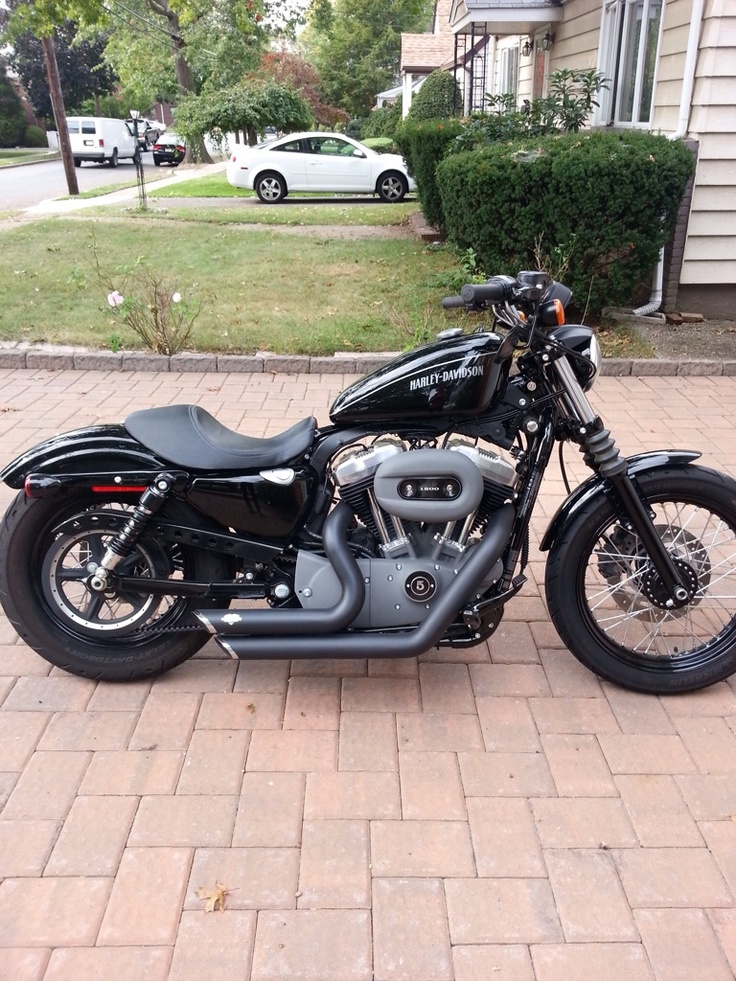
(494, 291)
(448, 302)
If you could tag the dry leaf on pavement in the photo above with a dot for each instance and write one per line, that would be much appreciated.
(215, 897)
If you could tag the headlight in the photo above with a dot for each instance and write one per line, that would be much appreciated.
(582, 343)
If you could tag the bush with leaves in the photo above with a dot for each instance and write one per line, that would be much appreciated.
(604, 203)
(248, 109)
(565, 109)
(12, 116)
(423, 145)
(383, 121)
(438, 98)
(35, 137)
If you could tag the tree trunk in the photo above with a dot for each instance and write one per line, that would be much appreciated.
(57, 103)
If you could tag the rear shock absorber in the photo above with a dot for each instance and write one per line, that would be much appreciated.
(151, 501)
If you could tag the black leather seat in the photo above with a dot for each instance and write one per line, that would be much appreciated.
(190, 437)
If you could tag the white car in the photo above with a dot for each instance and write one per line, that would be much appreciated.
(317, 162)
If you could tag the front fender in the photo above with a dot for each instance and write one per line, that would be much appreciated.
(93, 450)
(594, 485)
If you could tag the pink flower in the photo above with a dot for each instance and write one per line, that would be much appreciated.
(115, 299)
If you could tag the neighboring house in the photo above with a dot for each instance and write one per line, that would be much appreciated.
(671, 66)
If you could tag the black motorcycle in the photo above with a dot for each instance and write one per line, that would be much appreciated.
(402, 526)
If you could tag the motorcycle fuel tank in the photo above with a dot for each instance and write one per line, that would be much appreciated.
(454, 375)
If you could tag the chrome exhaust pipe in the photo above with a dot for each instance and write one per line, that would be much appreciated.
(288, 622)
(349, 644)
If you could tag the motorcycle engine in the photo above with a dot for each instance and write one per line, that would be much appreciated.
(420, 507)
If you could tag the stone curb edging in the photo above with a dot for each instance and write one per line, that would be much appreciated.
(56, 358)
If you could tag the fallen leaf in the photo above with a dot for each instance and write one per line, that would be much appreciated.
(251, 707)
(214, 897)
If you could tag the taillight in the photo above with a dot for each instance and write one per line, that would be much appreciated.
(102, 142)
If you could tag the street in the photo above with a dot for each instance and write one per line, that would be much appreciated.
(22, 187)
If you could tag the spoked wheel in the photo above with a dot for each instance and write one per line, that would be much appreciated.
(49, 550)
(608, 602)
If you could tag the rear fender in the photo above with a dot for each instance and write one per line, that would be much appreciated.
(571, 507)
(82, 457)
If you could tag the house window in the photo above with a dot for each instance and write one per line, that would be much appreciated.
(631, 30)
(508, 70)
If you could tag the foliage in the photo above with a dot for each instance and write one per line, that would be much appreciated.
(354, 128)
(355, 47)
(423, 145)
(383, 121)
(292, 70)
(12, 116)
(603, 203)
(381, 144)
(35, 137)
(83, 71)
(246, 108)
(567, 107)
(438, 98)
(150, 305)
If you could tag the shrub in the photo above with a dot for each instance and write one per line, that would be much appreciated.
(383, 121)
(423, 145)
(604, 203)
(438, 98)
(381, 144)
(35, 137)
(354, 127)
(12, 116)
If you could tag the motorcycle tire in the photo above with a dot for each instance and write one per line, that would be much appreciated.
(45, 547)
(607, 602)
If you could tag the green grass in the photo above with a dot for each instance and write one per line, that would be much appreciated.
(25, 155)
(210, 186)
(260, 290)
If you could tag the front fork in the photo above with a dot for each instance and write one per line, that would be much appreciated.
(602, 455)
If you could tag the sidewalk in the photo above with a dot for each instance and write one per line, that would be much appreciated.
(496, 813)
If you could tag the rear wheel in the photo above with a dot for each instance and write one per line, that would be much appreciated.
(77, 162)
(607, 600)
(392, 187)
(114, 158)
(47, 548)
(270, 187)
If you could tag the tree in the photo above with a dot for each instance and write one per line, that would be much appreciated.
(83, 72)
(12, 116)
(247, 108)
(292, 70)
(356, 47)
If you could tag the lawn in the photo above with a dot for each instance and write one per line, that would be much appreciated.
(260, 290)
(23, 155)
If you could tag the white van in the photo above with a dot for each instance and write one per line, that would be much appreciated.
(99, 139)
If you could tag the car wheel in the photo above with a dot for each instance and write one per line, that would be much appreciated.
(77, 162)
(392, 186)
(114, 158)
(270, 187)
(156, 161)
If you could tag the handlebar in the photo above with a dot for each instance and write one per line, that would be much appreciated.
(496, 290)
(449, 302)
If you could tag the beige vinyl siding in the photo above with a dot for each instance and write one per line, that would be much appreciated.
(710, 248)
(577, 36)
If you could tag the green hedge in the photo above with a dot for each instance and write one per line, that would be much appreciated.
(35, 137)
(438, 98)
(602, 203)
(424, 144)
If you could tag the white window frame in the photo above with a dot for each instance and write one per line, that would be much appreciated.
(612, 57)
(508, 69)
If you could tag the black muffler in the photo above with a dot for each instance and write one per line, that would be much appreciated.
(288, 622)
(353, 644)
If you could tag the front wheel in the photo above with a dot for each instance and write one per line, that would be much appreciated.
(48, 548)
(270, 187)
(607, 600)
(392, 187)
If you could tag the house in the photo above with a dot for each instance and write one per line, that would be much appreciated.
(671, 68)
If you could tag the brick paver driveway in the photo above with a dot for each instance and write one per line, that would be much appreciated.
(486, 814)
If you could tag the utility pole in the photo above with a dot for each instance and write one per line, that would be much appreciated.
(57, 103)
